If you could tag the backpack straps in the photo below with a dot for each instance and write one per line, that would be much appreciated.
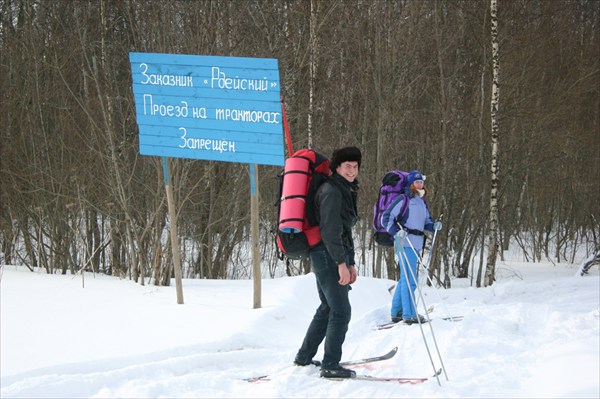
(403, 215)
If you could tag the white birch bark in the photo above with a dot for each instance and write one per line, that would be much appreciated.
(493, 225)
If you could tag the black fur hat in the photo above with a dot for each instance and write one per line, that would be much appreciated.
(345, 154)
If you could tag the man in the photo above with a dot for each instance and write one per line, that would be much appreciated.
(332, 262)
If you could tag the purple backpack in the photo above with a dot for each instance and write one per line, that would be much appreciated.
(393, 185)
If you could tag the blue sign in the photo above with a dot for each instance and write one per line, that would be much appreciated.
(207, 107)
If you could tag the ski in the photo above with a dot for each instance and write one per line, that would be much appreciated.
(258, 379)
(391, 324)
(386, 356)
(400, 380)
(453, 318)
(357, 362)
(386, 326)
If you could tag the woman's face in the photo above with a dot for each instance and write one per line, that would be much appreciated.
(419, 184)
(348, 170)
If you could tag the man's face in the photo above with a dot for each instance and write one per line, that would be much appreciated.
(348, 170)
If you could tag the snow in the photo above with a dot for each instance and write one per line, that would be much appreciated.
(534, 333)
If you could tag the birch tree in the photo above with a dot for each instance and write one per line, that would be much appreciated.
(490, 271)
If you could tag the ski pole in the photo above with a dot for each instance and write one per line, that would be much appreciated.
(426, 315)
(422, 263)
(435, 232)
(421, 259)
(426, 268)
(403, 274)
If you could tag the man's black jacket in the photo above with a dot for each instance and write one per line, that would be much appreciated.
(337, 213)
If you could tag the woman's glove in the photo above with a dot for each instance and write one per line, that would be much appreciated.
(437, 225)
(402, 234)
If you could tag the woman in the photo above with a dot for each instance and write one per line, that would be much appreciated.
(410, 239)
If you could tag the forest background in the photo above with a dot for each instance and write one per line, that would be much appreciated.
(409, 82)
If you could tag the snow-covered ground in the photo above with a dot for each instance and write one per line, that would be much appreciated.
(534, 333)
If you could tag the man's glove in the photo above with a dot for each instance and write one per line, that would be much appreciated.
(437, 225)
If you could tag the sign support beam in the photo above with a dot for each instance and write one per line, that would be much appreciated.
(173, 231)
(255, 235)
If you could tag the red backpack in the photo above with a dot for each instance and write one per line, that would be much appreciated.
(298, 228)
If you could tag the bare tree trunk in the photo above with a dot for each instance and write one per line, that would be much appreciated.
(490, 272)
(442, 98)
(312, 70)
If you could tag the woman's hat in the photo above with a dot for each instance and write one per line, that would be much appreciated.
(415, 175)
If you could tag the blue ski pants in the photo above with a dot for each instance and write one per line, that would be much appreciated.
(402, 300)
